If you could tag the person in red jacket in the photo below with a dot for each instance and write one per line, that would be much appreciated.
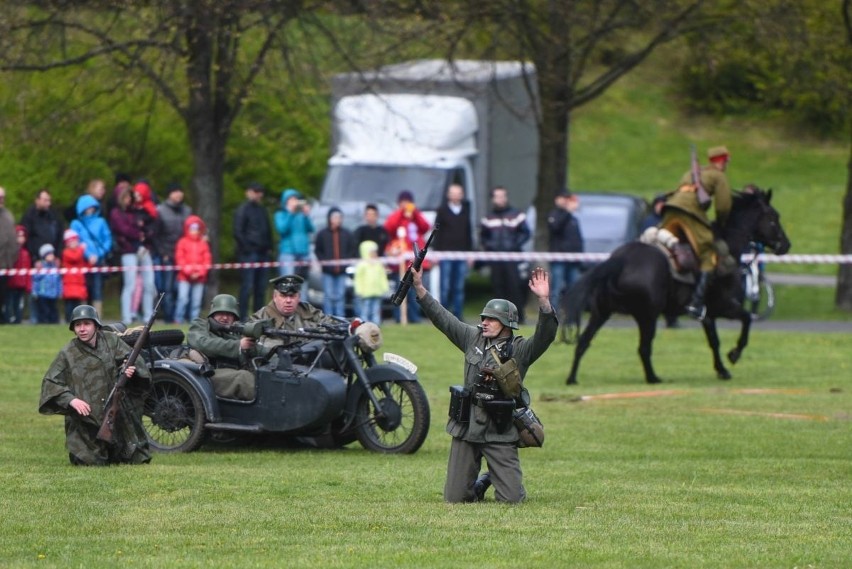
(193, 257)
(407, 218)
(20, 285)
(74, 291)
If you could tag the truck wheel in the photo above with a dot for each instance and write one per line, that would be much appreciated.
(156, 337)
(405, 423)
(174, 414)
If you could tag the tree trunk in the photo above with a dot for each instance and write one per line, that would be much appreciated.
(843, 295)
(208, 153)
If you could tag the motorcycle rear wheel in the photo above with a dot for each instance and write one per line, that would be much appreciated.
(174, 415)
(405, 425)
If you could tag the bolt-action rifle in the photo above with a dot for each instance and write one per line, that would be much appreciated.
(113, 403)
(408, 278)
(700, 192)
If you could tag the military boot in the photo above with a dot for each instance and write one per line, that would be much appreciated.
(481, 485)
(696, 307)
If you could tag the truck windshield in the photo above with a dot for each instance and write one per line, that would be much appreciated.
(345, 183)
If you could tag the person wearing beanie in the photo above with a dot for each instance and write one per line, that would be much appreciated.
(47, 286)
(74, 291)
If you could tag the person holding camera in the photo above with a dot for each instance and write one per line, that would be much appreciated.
(483, 426)
(229, 352)
(294, 227)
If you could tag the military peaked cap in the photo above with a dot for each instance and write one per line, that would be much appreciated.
(287, 283)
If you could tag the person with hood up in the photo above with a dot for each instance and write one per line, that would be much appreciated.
(294, 227)
(193, 257)
(74, 291)
(96, 238)
(334, 243)
(371, 283)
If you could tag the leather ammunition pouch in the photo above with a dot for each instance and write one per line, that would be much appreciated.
(501, 412)
(507, 374)
(459, 404)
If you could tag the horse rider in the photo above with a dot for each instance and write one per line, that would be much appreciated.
(683, 215)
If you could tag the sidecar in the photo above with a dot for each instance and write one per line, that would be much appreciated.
(383, 406)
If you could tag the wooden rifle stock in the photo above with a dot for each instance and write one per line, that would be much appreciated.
(700, 192)
(113, 403)
(407, 279)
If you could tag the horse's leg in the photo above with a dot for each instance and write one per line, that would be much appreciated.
(647, 331)
(584, 341)
(742, 341)
(709, 325)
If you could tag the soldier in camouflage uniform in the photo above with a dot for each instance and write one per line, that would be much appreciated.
(288, 312)
(483, 436)
(230, 353)
(684, 217)
(78, 384)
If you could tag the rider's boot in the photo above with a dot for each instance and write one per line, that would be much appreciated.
(481, 485)
(696, 307)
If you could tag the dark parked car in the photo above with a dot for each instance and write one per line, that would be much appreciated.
(609, 220)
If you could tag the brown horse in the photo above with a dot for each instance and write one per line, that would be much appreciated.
(637, 280)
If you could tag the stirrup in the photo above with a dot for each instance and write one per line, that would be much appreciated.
(698, 312)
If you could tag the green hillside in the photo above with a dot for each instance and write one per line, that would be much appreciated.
(635, 139)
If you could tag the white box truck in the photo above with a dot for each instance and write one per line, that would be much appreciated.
(425, 124)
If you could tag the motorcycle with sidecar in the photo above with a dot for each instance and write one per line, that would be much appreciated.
(326, 388)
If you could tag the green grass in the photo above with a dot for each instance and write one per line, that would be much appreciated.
(707, 476)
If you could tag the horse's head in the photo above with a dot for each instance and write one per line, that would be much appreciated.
(766, 225)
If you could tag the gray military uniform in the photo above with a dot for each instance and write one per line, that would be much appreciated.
(480, 437)
(80, 371)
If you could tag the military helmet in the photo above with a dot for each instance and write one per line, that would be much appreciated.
(84, 312)
(225, 303)
(502, 310)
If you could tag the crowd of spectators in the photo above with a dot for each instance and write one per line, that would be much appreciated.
(157, 245)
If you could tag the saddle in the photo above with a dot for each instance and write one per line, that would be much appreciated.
(683, 262)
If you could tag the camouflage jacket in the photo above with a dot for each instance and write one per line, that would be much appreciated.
(470, 341)
(89, 373)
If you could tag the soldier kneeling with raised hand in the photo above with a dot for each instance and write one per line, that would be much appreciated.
(229, 352)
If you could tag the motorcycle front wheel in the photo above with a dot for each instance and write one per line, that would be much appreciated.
(174, 414)
(403, 424)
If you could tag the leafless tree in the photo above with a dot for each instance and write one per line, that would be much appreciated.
(202, 56)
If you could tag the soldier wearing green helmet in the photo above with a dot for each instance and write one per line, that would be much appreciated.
(479, 431)
(229, 352)
(78, 383)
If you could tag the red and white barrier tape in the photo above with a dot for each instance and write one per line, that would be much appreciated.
(433, 257)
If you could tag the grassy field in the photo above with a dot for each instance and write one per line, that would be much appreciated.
(748, 473)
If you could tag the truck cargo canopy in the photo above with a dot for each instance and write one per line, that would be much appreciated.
(404, 129)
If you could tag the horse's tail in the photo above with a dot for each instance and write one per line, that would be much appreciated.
(576, 299)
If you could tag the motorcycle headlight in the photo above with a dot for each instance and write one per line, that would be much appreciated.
(369, 337)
